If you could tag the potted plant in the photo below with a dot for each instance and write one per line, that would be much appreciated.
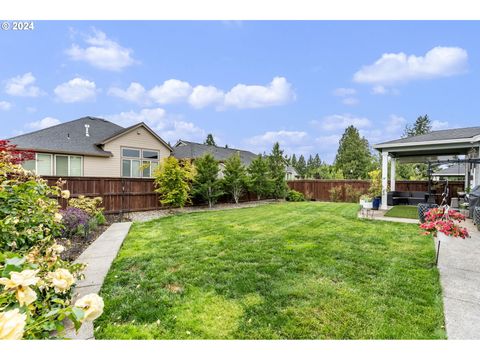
(375, 189)
(366, 201)
(443, 223)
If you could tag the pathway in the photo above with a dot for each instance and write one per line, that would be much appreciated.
(98, 257)
(459, 266)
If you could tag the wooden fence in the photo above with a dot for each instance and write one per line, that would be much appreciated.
(320, 189)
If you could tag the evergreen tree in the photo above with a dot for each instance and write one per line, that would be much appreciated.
(353, 156)
(421, 126)
(293, 161)
(277, 164)
(235, 177)
(259, 179)
(301, 167)
(206, 183)
(173, 182)
(210, 140)
(316, 161)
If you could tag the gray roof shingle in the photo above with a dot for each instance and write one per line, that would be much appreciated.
(190, 150)
(70, 137)
(451, 170)
(449, 134)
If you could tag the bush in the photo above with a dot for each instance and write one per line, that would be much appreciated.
(35, 284)
(352, 194)
(173, 182)
(336, 194)
(73, 219)
(295, 196)
(90, 205)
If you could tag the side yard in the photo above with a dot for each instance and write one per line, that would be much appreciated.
(279, 271)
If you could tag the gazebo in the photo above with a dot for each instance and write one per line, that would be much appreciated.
(436, 146)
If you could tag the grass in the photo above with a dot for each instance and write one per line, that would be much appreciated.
(403, 211)
(281, 271)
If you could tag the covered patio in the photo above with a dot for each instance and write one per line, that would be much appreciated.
(436, 146)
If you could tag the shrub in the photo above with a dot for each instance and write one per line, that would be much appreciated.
(259, 181)
(90, 205)
(336, 194)
(206, 183)
(173, 182)
(352, 194)
(35, 284)
(295, 196)
(72, 219)
(375, 183)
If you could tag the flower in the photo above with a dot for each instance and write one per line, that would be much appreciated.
(61, 279)
(65, 194)
(444, 220)
(20, 279)
(57, 249)
(92, 305)
(25, 295)
(12, 324)
(58, 217)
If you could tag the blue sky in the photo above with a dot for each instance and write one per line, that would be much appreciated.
(249, 83)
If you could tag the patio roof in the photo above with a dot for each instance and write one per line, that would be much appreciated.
(434, 144)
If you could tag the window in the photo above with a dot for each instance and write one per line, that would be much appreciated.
(139, 162)
(44, 164)
(58, 165)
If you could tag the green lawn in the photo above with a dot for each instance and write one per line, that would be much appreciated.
(403, 211)
(281, 271)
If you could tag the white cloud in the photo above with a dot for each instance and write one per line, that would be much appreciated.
(400, 68)
(167, 127)
(379, 90)
(23, 85)
(171, 91)
(439, 125)
(327, 141)
(350, 101)
(42, 124)
(203, 96)
(395, 124)
(241, 96)
(76, 90)
(102, 53)
(134, 93)
(5, 105)
(278, 92)
(344, 92)
(283, 137)
(341, 121)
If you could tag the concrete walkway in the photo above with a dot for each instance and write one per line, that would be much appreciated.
(459, 266)
(98, 257)
(380, 215)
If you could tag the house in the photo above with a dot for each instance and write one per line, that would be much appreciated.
(291, 173)
(453, 172)
(190, 150)
(94, 147)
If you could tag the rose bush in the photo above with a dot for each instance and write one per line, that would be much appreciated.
(35, 283)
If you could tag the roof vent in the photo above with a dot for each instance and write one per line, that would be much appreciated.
(86, 130)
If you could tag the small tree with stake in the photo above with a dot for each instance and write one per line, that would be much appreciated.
(235, 177)
(259, 180)
(206, 183)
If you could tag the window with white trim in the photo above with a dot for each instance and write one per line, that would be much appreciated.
(59, 165)
(139, 163)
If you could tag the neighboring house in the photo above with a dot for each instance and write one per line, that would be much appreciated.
(94, 147)
(291, 173)
(191, 150)
(453, 172)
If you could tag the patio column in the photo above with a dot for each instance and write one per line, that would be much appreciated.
(384, 179)
(392, 173)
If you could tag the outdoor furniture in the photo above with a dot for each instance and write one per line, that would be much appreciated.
(406, 197)
(454, 203)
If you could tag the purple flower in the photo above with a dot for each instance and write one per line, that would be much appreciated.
(72, 219)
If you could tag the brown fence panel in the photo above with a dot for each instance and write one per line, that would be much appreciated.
(320, 189)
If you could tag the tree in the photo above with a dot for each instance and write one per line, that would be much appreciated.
(353, 158)
(259, 179)
(206, 183)
(293, 161)
(10, 153)
(418, 171)
(316, 161)
(301, 167)
(173, 182)
(235, 177)
(277, 165)
(422, 125)
(210, 140)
